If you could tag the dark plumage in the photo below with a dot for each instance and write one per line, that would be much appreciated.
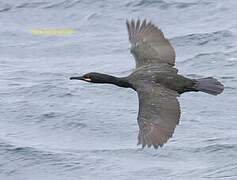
(156, 82)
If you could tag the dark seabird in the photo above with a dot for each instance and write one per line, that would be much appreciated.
(156, 82)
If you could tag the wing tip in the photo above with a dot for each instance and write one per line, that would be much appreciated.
(153, 135)
(155, 146)
(144, 32)
(138, 28)
(134, 27)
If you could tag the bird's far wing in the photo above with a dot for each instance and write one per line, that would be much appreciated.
(148, 44)
(159, 113)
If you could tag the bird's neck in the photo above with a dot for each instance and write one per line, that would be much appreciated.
(118, 81)
(122, 82)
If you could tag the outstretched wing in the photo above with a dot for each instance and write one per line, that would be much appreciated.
(148, 44)
(159, 113)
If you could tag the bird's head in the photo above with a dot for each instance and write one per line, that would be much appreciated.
(92, 77)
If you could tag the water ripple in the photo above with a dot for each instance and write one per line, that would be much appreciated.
(5, 7)
(205, 38)
(63, 4)
(165, 5)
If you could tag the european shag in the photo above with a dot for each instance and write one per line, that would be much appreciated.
(157, 83)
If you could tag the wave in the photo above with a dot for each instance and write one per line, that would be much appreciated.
(38, 150)
(217, 148)
(31, 5)
(165, 5)
(63, 4)
(41, 5)
(204, 38)
(5, 7)
(216, 56)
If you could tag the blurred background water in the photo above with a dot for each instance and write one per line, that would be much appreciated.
(55, 129)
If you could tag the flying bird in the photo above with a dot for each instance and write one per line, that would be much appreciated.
(156, 81)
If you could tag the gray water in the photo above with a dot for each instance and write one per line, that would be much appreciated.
(55, 129)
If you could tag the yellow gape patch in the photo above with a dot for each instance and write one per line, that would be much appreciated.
(87, 79)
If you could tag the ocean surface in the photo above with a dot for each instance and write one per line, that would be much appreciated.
(55, 129)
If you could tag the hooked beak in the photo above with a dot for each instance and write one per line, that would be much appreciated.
(76, 78)
(80, 78)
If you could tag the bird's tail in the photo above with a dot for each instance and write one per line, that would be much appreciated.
(209, 85)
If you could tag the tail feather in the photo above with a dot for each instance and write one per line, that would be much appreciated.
(209, 85)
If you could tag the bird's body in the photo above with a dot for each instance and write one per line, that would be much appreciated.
(162, 75)
(156, 82)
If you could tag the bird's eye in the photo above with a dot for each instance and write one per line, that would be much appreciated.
(87, 76)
